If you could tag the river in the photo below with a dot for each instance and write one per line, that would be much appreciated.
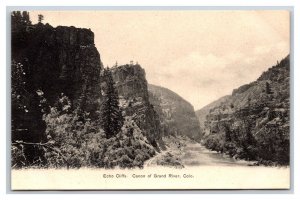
(195, 154)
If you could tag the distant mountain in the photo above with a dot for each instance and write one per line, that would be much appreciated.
(177, 115)
(253, 123)
(201, 114)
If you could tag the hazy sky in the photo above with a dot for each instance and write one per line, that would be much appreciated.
(201, 55)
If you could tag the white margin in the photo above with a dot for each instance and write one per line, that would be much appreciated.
(145, 195)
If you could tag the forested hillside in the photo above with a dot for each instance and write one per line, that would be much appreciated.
(254, 122)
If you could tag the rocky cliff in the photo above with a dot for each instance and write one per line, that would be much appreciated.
(177, 116)
(255, 118)
(61, 59)
(54, 61)
(131, 83)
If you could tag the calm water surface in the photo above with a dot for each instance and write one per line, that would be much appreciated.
(197, 155)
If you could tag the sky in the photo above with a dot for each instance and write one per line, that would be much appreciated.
(200, 55)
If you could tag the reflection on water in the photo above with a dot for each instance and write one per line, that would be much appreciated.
(196, 154)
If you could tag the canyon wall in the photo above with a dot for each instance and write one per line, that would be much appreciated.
(177, 116)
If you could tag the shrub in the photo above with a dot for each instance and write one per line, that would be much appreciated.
(128, 149)
(73, 140)
(168, 159)
(273, 144)
(18, 158)
(215, 142)
(70, 136)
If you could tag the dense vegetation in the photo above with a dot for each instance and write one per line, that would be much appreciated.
(74, 140)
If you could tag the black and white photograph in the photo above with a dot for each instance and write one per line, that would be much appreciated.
(150, 99)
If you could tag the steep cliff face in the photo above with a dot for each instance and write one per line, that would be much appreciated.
(256, 116)
(132, 87)
(177, 116)
(269, 94)
(54, 61)
(201, 114)
(61, 60)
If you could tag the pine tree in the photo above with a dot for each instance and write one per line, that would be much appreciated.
(40, 18)
(25, 18)
(111, 118)
(268, 88)
(19, 28)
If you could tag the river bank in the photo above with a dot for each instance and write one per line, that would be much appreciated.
(183, 152)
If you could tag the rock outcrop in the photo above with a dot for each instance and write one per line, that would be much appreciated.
(61, 60)
(130, 81)
(177, 116)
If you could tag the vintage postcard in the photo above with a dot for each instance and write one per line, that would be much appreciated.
(150, 99)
